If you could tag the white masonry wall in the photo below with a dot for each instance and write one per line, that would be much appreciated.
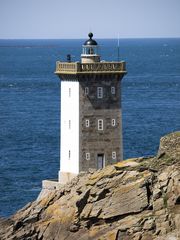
(69, 149)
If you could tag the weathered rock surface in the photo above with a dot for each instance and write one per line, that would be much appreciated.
(137, 199)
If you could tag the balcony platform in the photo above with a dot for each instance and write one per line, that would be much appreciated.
(77, 68)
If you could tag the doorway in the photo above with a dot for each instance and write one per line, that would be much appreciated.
(100, 161)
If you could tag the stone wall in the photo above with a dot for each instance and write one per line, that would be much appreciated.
(109, 139)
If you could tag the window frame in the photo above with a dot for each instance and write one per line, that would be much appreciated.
(113, 122)
(100, 124)
(87, 123)
(88, 156)
(114, 155)
(113, 90)
(86, 90)
(100, 92)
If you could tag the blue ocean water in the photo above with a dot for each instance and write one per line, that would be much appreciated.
(30, 102)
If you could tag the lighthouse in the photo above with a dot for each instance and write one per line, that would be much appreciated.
(91, 113)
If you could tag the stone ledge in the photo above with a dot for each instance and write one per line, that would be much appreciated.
(51, 184)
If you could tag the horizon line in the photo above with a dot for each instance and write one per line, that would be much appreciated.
(122, 38)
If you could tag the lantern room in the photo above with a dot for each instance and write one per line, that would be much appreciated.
(90, 51)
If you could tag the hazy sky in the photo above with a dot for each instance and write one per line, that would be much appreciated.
(75, 18)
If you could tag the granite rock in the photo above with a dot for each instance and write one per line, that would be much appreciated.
(136, 199)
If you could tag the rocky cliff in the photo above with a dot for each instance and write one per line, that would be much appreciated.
(137, 199)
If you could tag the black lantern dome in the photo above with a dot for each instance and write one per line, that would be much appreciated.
(90, 41)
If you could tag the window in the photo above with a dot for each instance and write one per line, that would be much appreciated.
(86, 90)
(87, 156)
(69, 124)
(99, 92)
(113, 122)
(87, 122)
(100, 124)
(113, 90)
(113, 155)
(69, 155)
(69, 92)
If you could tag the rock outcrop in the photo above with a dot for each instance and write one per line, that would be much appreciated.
(137, 199)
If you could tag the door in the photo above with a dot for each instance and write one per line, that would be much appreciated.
(100, 161)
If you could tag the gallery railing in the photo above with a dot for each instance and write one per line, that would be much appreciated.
(77, 67)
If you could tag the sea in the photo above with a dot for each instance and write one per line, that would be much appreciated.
(30, 106)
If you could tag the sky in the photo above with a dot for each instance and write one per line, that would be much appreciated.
(59, 19)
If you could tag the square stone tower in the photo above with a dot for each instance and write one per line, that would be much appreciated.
(91, 119)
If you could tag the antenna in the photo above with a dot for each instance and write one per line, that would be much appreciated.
(118, 49)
